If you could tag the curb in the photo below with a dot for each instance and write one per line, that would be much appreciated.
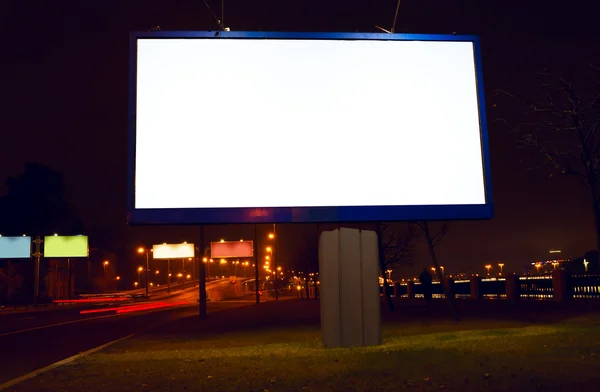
(55, 365)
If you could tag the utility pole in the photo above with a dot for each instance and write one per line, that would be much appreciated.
(37, 254)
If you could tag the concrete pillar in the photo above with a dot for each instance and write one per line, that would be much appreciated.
(475, 287)
(349, 275)
(410, 289)
(513, 288)
(559, 285)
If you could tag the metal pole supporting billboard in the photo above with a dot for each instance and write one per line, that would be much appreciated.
(169, 276)
(202, 280)
(37, 254)
(69, 277)
(55, 279)
(255, 250)
(275, 263)
(147, 270)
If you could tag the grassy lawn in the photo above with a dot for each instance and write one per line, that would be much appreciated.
(475, 354)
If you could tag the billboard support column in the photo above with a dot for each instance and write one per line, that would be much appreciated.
(169, 276)
(69, 277)
(37, 255)
(147, 268)
(349, 296)
(276, 285)
(202, 279)
(256, 282)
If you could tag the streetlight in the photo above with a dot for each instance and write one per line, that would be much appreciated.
(140, 269)
(104, 264)
(488, 267)
(141, 250)
(501, 265)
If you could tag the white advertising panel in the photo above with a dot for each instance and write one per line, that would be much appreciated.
(172, 251)
(329, 122)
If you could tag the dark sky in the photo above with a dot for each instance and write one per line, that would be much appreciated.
(64, 84)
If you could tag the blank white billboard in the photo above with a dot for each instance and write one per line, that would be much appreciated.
(306, 123)
(15, 247)
(173, 251)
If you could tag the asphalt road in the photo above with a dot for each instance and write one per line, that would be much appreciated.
(30, 341)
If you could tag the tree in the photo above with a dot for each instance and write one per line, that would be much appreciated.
(396, 248)
(11, 281)
(35, 204)
(561, 122)
(433, 239)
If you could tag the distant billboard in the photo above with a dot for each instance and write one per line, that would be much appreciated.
(66, 246)
(348, 126)
(15, 247)
(173, 251)
(226, 249)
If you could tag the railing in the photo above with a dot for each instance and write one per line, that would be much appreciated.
(576, 286)
(536, 287)
(542, 287)
(584, 286)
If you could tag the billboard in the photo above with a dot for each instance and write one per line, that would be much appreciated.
(66, 246)
(15, 247)
(173, 251)
(344, 127)
(225, 249)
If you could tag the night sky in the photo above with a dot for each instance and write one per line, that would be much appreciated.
(64, 84)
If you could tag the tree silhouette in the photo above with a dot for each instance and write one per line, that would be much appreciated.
(561, 122)
(396, 248)
(433, 239)
(35, 204)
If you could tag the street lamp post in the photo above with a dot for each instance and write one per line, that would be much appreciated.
(488, 267)
(501, 265)
(142, 250)
(272, 236)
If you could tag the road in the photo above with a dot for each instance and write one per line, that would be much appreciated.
(30, 341)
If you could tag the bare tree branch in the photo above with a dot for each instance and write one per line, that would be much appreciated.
(398, 244)
(561, 122)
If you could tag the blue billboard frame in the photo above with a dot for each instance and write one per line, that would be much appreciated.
(304, 214)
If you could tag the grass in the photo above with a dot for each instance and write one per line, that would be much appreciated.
(476, 354)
